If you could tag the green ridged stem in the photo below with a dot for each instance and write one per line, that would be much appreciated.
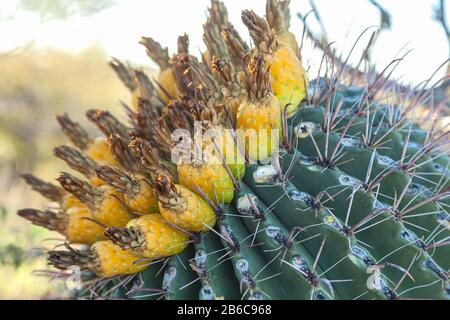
(211, 262)
(357, 161)
(364, 204)
(429, 167)
(289, 260)
(296, 209)
(247, 260)
(179, 281)
(148, 284)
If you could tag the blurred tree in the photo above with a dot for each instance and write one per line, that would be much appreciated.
(62, 9)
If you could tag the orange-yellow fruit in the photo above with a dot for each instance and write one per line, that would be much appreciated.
(112, 260)
(144, 201)
(289, 39)
(110, 211)
(75, 223)
(167, 81)
(99, 151)
(157, 239)
(70, 201)
(212, 178)
(289, 79)
(259, 127)
(231, 153)
(191, 213)
(81, 230)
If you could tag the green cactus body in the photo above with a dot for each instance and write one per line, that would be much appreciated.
(249, 264)
(211, 265)
(288, 259)
(179, 280)
(148, 284)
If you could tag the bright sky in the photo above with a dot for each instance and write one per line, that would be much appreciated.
(119, 28)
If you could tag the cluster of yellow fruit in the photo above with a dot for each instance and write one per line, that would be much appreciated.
(135, 204)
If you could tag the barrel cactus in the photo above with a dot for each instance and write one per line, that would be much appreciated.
(308, 189)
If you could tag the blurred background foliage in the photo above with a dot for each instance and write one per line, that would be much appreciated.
(35, 84)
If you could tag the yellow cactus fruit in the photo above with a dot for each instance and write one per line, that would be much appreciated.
(75, 223)
(100, 152)
(113, 260)
(222, 148)
(70, 201)
(81, 228)
(183, 208)
(205, 168)
(278, 16)
(105, 203)
(228, 150)
(210, 176)
(110, 210)
(259, 115)
(103, 258)
(167, 86)
(150, 237)
(289, 79)
(217, 143)
(115, 149)
(137, 191)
